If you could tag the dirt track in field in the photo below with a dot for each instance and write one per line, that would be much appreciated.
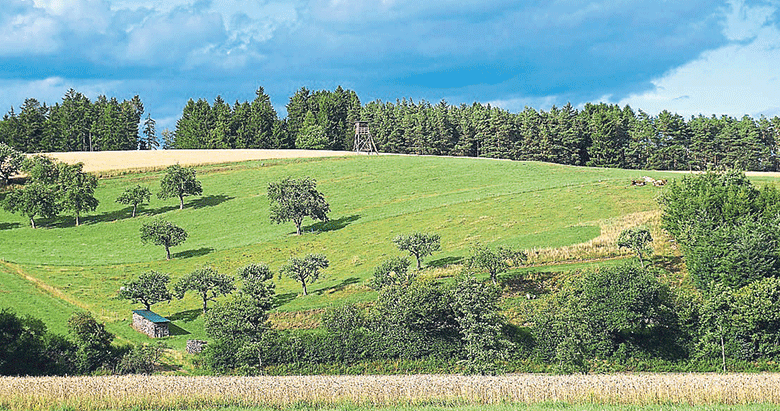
(128, 160)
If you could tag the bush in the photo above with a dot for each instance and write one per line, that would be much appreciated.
(613, 312)
(726, 226)
(23, 345)
(93, 344)
(141, 359)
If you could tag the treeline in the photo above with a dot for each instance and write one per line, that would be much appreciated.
(318, 120)
(599, 135)
(78, 124)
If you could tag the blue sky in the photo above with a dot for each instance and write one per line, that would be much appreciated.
(690, 57)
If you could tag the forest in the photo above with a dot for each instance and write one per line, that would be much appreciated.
(598, 135)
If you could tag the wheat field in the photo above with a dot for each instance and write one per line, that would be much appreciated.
(180, 392)
(155, 159)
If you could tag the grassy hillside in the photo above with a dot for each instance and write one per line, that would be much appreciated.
(54, 270)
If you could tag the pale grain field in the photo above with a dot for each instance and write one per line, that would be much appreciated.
(152, 159)
(177, 392)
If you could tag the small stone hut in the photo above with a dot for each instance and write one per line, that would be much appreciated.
(151, 324)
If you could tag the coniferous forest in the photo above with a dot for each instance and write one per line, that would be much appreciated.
(600, 135)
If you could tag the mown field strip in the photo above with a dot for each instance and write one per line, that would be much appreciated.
(175, 392)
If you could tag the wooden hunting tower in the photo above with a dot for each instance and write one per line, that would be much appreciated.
(364, 142)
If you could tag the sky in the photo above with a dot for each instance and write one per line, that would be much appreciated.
(689, 57)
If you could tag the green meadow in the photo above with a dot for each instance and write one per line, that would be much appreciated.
(53, 270)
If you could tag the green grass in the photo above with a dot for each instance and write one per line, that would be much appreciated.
(373, 199)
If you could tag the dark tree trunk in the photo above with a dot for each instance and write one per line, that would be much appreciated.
(303, 283)
(181, 202)
(167, 252)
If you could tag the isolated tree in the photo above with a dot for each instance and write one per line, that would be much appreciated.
(419, 245)
(179, 182)
(150, 288)
(305, 270)
(135, 196)
(164, 233)
(636, 239)
(11, 161)
(292, 200)
(76, 189)
(32, 200)
(206, 282)
(495, 261)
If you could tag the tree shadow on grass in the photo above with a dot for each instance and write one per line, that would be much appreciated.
(193, 253)
(208, 201)
(530, 284)
(331, 225)
(174, 329)
(445, 261)
(160, 210)
(9, 226)
(187, 316)
(339, 287)
(120, 214)
(282, 299)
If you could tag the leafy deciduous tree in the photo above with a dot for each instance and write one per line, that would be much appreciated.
(305, 270)
(292, 200)
(476, 310)
(134, 196)
(150, 288)
(636, 239)
(32, 200)
(179, 182)
(392, 272)
(420, 245)
(76, 189)
(207, 283)
(496, 261)
(93, 342)
(164, 233)
(11, 161)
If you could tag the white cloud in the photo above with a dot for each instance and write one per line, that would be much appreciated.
(740, 78)
(29, 33)
(50, 90)
(80, 16)
(170, 38)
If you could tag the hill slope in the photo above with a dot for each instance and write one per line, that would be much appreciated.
(373, 199)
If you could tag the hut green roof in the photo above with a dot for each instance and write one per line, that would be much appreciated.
(151, 316)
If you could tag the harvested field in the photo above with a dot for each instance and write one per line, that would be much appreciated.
(173, 392)
(152, 159)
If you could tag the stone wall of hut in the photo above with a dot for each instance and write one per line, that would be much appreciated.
(149, 328)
